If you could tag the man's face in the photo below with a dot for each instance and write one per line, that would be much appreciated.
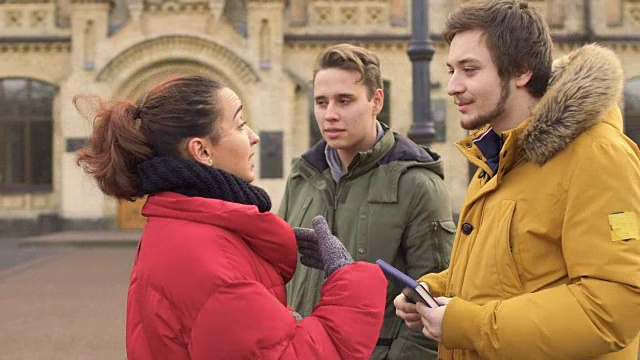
(345, 114)
(480, 94)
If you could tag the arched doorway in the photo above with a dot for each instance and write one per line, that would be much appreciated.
(136, 75)
(632, 109)
(129, 212)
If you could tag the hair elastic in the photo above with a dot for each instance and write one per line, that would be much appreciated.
(136, 112)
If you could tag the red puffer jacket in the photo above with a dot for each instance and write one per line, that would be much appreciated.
(209, 283)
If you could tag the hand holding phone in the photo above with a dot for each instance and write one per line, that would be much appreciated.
(412, 290)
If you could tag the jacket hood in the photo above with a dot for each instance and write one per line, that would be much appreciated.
(584, 85)
(265, 233)
(393, 147)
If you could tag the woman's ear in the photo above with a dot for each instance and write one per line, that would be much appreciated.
(199, 150)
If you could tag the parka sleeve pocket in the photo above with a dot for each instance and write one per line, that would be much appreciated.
(443, 234)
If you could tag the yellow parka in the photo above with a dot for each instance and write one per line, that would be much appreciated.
(546, 260)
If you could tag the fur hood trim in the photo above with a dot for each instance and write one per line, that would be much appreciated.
(584, 84)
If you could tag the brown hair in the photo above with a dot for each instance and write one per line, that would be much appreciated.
(352, 58)
(516, 35)
(124, 135)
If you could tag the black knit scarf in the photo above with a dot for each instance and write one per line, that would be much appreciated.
(190, 178)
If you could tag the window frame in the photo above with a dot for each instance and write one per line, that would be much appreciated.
(26, 120)
(631, 112)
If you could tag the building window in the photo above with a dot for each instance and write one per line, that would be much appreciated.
(632, 109)
(385, 114)
(439, 116)
(314, 131)
(26, 108)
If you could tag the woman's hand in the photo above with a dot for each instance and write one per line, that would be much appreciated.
(319, 249)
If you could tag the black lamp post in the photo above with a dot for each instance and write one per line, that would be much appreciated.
(420, 53)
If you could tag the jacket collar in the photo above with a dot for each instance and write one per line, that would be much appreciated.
(392, 147)
(266, 234)
(583, 88)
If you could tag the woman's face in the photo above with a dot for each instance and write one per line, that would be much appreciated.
(233, 151)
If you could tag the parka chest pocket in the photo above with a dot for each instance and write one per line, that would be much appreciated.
(502, 217)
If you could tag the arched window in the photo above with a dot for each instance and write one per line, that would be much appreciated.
(236, 12)
(26, 108)
(385, 114)
(632, 109)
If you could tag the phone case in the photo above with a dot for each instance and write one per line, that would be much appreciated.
(411, 289)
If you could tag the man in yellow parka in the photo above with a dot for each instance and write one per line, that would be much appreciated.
(546, 259)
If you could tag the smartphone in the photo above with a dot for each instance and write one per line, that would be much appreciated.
(411, 289)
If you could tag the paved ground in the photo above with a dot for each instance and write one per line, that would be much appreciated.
(64, 302)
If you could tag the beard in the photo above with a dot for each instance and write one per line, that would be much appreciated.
(483, 119)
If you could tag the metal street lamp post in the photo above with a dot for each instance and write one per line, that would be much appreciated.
(420, 53)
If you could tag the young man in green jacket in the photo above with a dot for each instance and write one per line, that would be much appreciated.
(383, 196)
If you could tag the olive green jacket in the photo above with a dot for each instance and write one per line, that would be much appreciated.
(391, 204)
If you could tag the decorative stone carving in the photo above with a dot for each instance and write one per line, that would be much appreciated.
(178, 6)
(39, 19)
(348, 15)
(633, 13)
(375, 15)
(323, 15)
(90, 1)
(26, 1)
(217, 8)
(29, 19)
(265, 45)
(135, 9)
(43, 47)
(13, 18)
(89, 46)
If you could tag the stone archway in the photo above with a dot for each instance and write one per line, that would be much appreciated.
(137, 69)
(177, 51)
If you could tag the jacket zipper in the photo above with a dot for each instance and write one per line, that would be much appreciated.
(337, 194)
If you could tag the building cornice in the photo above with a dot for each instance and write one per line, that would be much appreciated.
(289, 38)
(61, 44)
(567, 38)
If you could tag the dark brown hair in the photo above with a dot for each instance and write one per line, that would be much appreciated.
(516, 35)
(352, 58)
(124, 135)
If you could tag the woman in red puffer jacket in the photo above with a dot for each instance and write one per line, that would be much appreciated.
(209, 275)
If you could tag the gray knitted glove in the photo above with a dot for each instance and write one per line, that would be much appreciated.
(308, 248)
(319, 249)
(297, 317)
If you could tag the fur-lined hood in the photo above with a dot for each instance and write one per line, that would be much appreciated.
(583, 86)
